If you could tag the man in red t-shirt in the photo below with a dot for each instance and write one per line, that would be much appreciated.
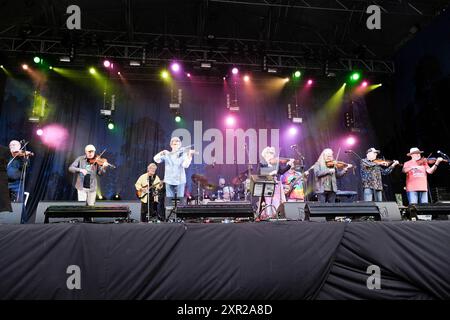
(416, 176)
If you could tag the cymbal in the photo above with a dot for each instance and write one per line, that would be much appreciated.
(209, 186)
(198, 178)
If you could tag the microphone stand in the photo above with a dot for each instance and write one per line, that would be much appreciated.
(21, 193)
(148, 198)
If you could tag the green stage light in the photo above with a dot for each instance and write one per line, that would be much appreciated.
(177, 119)
(111, 125)
(37, 60)
(297, 74)
(51, 68)
(92, 70)
(355, 76)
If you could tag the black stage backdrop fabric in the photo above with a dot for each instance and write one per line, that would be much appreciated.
(278, 261)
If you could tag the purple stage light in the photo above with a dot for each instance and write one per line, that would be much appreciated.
(235, 71)
(293, 131)
(188, 75)
(106, 63)
(175, 67)
(350, 141)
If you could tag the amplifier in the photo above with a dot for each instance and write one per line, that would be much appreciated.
(86, 212)
(233, 209)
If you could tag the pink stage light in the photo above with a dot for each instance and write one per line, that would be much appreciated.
(246, 78)
(188, 75)
(106, 64)
(175, 67)
(350, 141)
(230, 121)
(235, 71)
(310, 82)
(39, 132)
(54, 136)
(364, 84)
(293, 131)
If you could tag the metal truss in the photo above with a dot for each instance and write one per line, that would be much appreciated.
(155, 49)
(393, 7)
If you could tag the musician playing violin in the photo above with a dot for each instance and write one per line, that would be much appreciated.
(5, 201)
(88, 167)
(15, 168)
(416, 171)
(175, 164)
(372, 170)
(326, 170)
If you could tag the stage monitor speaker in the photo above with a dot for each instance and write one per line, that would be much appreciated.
(12, 217)
(389, 211)
(438, 211)
(135, 208)
(333, 210)
(232, 209)
(87, 212)
(292, 210)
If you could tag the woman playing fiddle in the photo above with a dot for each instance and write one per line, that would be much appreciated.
(371, 171)
(326, 170)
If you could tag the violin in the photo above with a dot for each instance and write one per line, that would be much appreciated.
(21, 153)
(100, 161)
(385, 163)
(337, 164)
(429, 161)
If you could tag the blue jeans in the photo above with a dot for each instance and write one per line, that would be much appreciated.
(171, 189)
(414, 196)
(370, 193)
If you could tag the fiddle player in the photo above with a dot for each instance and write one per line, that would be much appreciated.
(5, 201)
(416, 171)
(87, 171)
(325, 174)
(371, 173)
(149, 203)
(15, 168)
(175, 162)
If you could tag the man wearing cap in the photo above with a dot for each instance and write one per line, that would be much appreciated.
(86, 182)
(175, 165)
(416, 176)
(371, 173)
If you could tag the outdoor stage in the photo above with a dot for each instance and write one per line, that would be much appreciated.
(245, 261)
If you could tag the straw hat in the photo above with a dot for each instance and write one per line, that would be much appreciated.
(413, 151)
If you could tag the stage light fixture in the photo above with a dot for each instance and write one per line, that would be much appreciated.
(37, 59)
(111, 125)
(39, 132)
(205, 65)
(134, 63)
(50, 67)
(164, 75)
(293, 131)
(355, 76)
(188, 75)
(272, 70)
(106, 63)
(177, 118)
(364, 84)
(310, 82)
(235, 71)
(92, 70)
(24, 66)
(297, 120)
(116, 197)
(297, 74)
(175, 67)
(246, 78)
(64, 59)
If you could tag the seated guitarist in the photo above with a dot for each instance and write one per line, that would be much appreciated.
(293, 185)
(149, 208)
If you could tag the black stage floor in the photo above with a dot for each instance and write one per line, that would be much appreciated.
(265, 260)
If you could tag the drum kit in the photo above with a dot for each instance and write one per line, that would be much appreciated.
(206, 191)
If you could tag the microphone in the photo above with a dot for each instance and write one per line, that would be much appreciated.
(441, 153)
(22, 141)
(348, 151)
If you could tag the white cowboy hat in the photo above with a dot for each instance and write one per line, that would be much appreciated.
(413, 151)
(373, 150)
